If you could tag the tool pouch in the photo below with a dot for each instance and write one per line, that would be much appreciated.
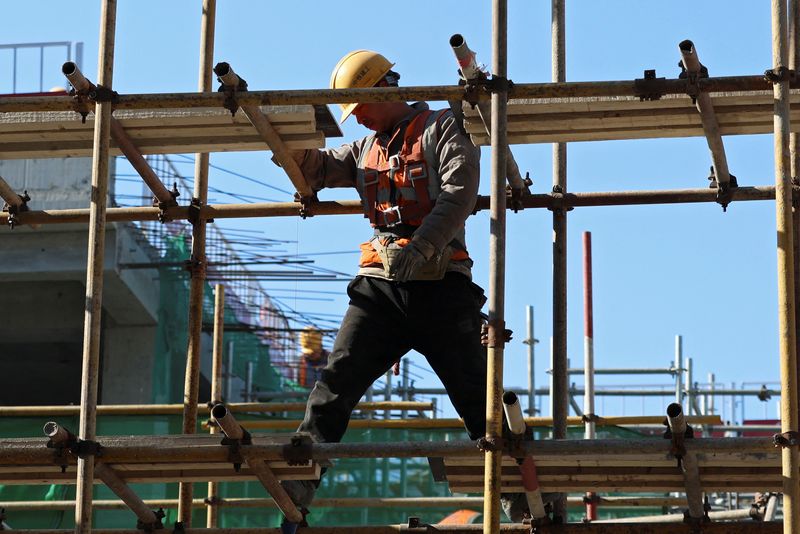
(434, 269)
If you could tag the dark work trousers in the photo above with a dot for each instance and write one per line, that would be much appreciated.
(439, 319)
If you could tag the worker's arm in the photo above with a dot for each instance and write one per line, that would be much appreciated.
(459, 171)
(333, 167)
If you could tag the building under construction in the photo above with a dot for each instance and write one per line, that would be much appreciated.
(162, 464)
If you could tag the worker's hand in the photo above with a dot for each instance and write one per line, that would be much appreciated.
(409, 260)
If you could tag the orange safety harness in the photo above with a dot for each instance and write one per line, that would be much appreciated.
(396, 189)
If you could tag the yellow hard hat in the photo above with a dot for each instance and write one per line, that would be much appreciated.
(358, 69)
(310, 340)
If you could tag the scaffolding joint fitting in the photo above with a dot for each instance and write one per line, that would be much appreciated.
(649, 87)
(230, 103)
(780, 74)
(786, 439)
(193, 215)
(14, 211)
(195, 267)
(171, 203)
(724, 191)
(156, 525)
(298, 450)
(516, 194)
(235, 448)
(83, 448)
(490, 336)
(558, 200)
(414, 522)
(492, 443)
(178, 528)
(764, 394)
(101, 93)
(476, 89)
(693, 87)
(2, 518)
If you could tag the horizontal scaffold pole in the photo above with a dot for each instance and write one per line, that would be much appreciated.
(458, 423)
(171, 448)
(349, 207)
(174, 409)
(344, 502)
(749, 527)
(396, 94)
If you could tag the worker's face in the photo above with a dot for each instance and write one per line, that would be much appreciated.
(372, 116)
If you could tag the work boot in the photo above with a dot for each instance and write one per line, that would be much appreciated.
(300, 491)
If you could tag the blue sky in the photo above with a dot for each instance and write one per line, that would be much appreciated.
(659, 271)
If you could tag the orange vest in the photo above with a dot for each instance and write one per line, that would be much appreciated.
(397, 189)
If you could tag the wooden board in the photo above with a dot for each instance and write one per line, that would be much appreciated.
(614, 118)
(44, 467)
(162, 131)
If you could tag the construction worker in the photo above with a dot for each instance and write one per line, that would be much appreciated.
(417, 175)
(313, 357)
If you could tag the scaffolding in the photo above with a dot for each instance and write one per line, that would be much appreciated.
(597, 465)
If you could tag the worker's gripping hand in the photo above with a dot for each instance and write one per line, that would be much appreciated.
(410, 259)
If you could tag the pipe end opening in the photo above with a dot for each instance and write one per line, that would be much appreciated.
(674, 409)
(457, 40)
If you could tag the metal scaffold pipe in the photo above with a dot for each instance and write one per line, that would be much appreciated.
(351, 207)
(90, 368)
(497, 263)
(296, 97)
(705, 107)
(212, 510)
(197, 261)
(786, 281)
(559, 393)
(470, 72)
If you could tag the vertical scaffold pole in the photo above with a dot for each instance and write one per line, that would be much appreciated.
(531, 341)
(560, 379)
(212, 509)
(94, 270)
(588, 358)
(198, 264)
(794, 64)
(497, 261)
(786, 308)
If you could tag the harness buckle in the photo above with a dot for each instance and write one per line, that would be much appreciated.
(416, 171)
(394, 162)
(391, 216)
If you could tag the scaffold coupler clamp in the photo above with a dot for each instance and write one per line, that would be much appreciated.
(80, 103)
(724, 191)
(156, 525)
(163, 206)
(14, 211)
(305, 204)
(780, 74)
(490, 337)
(692, 80)
(230, 103)
(298, 450)
(677, 448)
(764, 394)
(235, 448)
(2, 518)
(478, 88)
(515, 195)
(491, 444)
(558, 200)
(786, 439)
(649, 87)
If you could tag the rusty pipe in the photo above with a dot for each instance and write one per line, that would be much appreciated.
(707, 116)
(123, 140)
(471, 72)
(283, 155)
(226, 422)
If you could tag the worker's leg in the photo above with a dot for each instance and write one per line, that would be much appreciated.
(447, 331)
(370, 339)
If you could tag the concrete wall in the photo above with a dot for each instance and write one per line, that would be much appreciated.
(42, 287)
